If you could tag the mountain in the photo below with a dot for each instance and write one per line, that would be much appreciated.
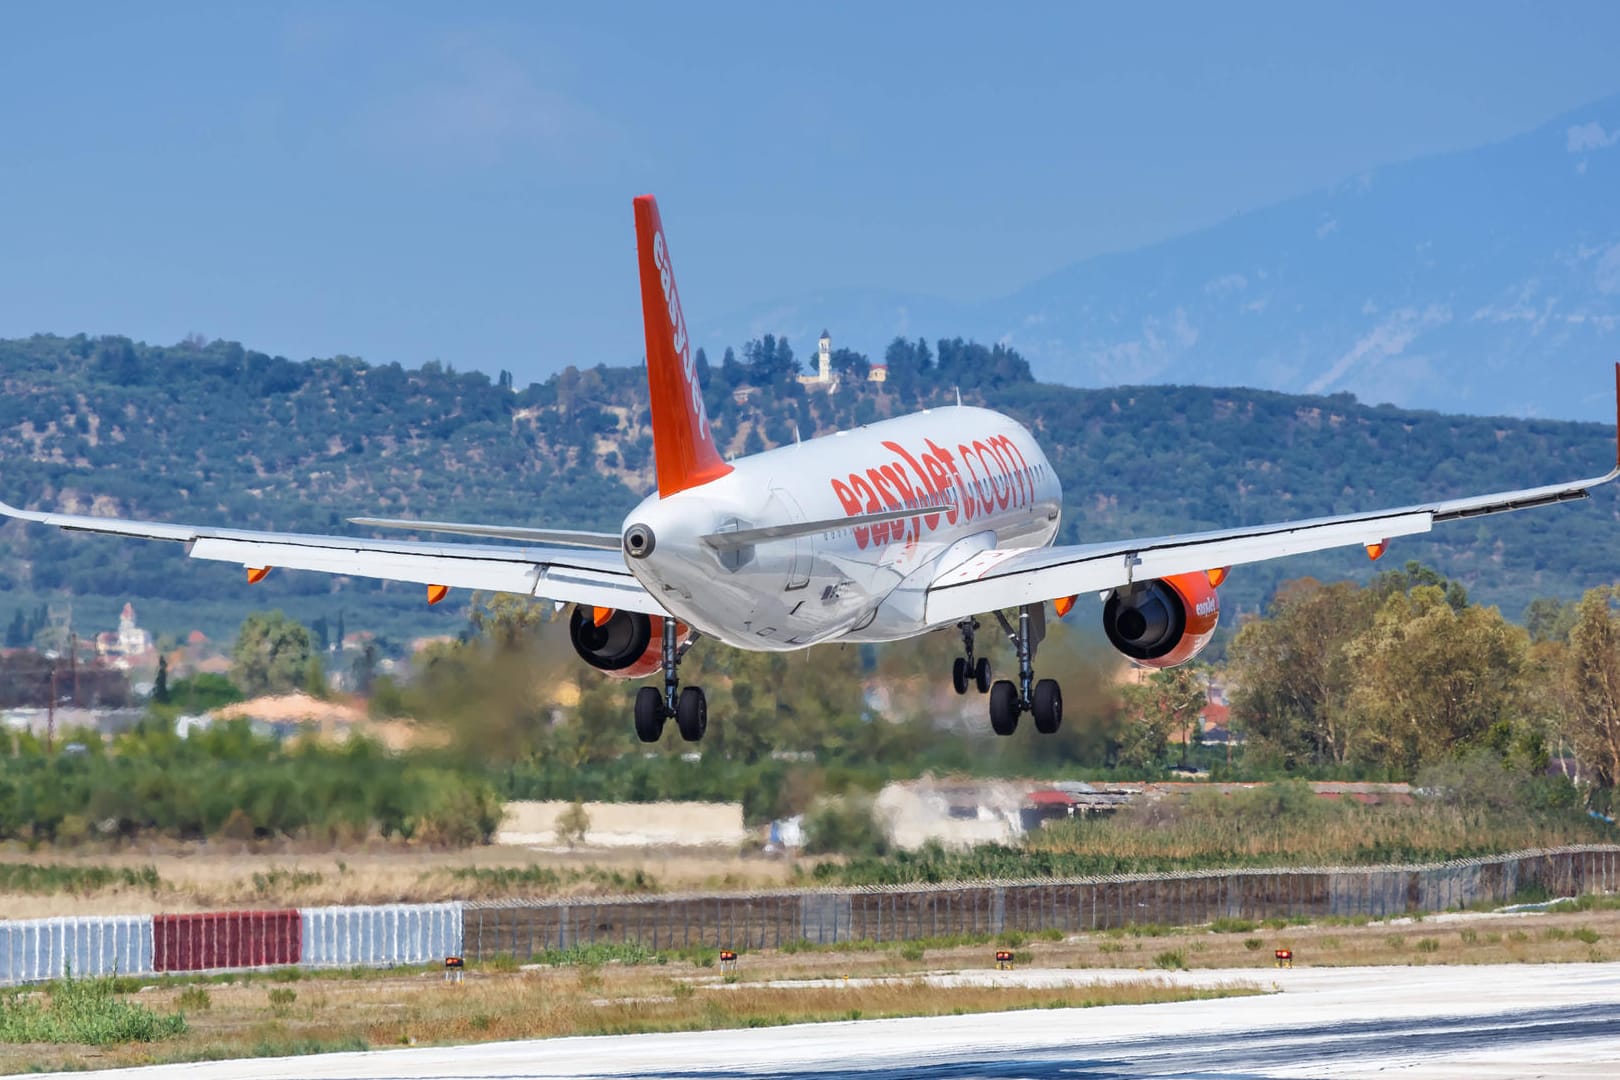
(1485, 281)
(215, 433)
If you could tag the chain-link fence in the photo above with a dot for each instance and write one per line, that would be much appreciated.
(901, 913)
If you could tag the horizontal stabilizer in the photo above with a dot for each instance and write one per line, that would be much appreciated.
(573, 538)
(732, 539)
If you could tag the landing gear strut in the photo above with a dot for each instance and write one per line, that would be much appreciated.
(1043, 699)
(689, 707)
(965, 670)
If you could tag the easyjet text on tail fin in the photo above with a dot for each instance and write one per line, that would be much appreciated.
(683, 448)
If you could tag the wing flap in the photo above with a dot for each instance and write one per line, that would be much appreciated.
(1000, 579)
(573, 575)
(573, 537)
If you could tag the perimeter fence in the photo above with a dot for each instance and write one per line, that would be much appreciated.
(910, 912)
(387, 935)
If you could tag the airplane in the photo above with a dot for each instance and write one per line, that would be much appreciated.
(913, 524)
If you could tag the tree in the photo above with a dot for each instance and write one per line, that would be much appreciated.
(506, 620)
(1293, 674)
(271, 655)
(160, 685)
(1165, 701)
(1433, 680)
(1550, 619)
(1593, 678)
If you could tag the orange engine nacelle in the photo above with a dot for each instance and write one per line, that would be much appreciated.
(1163, 622)
(625, 645)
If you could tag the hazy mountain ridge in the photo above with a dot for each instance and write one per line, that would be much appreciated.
(213, 433)
(1457, 282)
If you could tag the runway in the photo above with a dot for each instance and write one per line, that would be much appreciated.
(1473, 1022)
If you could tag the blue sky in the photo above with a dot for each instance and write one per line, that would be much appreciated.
(418, 181)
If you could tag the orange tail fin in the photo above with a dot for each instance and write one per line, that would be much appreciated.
(683, 449)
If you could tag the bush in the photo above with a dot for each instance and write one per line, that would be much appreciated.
(1171, 960)
(844, 825)
(84, 1011)
(195, 999)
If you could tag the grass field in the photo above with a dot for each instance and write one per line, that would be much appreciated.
(292, 1012)
(177, 878)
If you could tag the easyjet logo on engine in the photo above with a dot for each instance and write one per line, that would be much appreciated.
(982, 477)
(678, 338)
(1209, 605)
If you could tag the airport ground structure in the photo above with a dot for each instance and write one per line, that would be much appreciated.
(394, 935)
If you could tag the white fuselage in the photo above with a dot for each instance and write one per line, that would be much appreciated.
(977, 479)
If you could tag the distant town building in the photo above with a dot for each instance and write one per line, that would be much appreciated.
(879, 373)
(129, 646)
(823, 378)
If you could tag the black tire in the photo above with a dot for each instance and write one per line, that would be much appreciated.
(959, 676)
(692, 713)
(649, 714)
(1004, 708)
(1047, 707)
(981, 674)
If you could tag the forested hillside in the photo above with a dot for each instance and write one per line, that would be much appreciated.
(213, 432)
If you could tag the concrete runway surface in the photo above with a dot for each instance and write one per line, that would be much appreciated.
(1473, 1022)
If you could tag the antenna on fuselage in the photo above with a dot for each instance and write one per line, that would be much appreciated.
(796, 439)
(958, 390)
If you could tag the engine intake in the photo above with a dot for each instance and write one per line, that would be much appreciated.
(1162, 622)
(614, 645)
(629, 645)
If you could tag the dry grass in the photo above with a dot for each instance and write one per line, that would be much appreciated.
(258, 1019)
(1284, 824)
(208, 877)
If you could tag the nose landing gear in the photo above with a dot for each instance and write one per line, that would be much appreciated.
(1043, 699)
(966, 669)
(689, 706)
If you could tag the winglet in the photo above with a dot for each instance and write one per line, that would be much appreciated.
(683, 449)
(1617, 416)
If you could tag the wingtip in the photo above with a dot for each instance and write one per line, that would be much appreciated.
(1617, 416)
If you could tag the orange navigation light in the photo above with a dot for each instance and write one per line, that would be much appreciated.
(1376, 551)
(600, 615)
(257, 574)
(437, 593)
(1217, 576)
(1064, 604)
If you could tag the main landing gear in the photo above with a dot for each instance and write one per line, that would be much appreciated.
(1044, 699)
(965, 670)
(688, 706)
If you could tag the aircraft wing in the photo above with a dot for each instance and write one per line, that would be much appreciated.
(1005, 578)
(582, 576)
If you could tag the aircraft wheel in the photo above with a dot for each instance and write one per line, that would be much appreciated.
(959, 676)
(1048, 706)
(649, 714)
(692, 713)
(1004, 708)
(981, 674)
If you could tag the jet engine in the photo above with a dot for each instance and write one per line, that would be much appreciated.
(1162, 622)
(625, 645)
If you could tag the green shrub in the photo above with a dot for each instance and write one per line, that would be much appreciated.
(1586, 934)
(84, 1011)
(1171, 960)
(1252, 943)
(1428, 945)
(195, 999)
(844, 825)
